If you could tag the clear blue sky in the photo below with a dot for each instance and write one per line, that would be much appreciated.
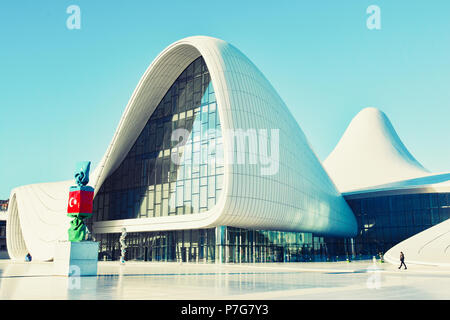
(62, 92)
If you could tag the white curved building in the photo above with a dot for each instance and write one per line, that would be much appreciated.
(245, 166)
(399, 205)
(370, 153)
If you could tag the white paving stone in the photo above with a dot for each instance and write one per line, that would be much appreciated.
(147, 280)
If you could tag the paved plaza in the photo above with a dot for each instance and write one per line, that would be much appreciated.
(150, 280)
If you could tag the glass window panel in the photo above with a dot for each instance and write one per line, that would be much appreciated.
(434, 200)
(196, 203)
(166, 190)
(426, 217)
(444, 213)
(443, 201)
(165, 207)
(179, 196)
(211, 166)
(187, 191)
(418, 218)
(203, 196)
(187, 207)
(158, 194)
(219, 181)
(188, 104)
(211, 187)
(195, 186)
(203, 170)
(172, 206)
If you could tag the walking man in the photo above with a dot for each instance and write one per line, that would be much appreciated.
(402, 260)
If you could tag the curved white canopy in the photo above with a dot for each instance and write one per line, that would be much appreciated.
(370, 153)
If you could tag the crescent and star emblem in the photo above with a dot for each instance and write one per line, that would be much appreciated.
(72, 202)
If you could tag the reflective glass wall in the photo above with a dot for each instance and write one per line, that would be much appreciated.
(161, 176)
(236, 246)
(385, 221)
(181, 246)
(242, 245)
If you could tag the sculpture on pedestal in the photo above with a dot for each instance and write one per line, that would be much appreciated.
(80, 203)
(78, 256)
(123, 246)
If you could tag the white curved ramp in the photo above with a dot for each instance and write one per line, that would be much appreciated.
(37, 217)
(429, 247)
(370, 153)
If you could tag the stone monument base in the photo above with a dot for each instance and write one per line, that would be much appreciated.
(75, 258)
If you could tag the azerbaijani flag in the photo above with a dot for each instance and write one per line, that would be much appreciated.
(80, 199)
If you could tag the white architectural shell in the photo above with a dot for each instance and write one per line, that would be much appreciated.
(370, 153)
(371, 158)
(298, 197)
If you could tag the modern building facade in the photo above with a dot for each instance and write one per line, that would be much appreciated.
(225, 244)
(208, 165)
(391, 194)
(386, 218)
(198, 157)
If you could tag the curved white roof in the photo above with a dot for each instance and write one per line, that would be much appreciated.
(370, 153)
(438, 182)
(298, 196)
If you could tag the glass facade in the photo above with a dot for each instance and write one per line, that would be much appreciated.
(181, 246)
(224, 244)
(242, 245)
(384, 221)
(149, 183)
